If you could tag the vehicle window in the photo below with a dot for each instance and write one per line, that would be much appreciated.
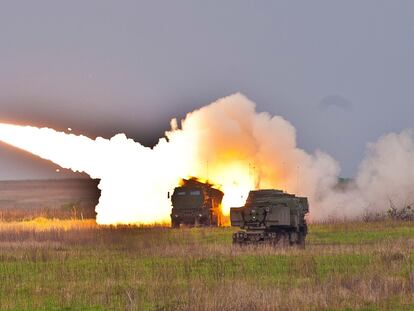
(181, 193)
(195, 192)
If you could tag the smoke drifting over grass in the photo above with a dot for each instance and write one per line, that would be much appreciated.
(234, 147)
(385, 178)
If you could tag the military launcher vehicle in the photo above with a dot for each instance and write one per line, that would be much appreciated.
(271, 216)
(197, 204)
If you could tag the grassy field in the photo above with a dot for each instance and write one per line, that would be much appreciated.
(64, 198)
(76, 265)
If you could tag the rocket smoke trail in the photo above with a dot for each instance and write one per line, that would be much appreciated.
(244, 150)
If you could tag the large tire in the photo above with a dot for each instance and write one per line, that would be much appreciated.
(281, 239)
(235, 240)
(284, 240)
(215, 222)
(210, 221)
(175, 224)
(301, 240)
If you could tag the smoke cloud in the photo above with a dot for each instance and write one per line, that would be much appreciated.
(232, 146)
(385, 178)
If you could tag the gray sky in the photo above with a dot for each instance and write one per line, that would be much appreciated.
(341, 71)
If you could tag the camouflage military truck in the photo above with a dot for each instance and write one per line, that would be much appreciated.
(271, 216)
(196, 203)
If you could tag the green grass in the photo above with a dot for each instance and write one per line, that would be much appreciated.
(355, 233)
(351, 266)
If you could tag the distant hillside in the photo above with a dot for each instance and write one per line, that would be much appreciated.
(61, 197)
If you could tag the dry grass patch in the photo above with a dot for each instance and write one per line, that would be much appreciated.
(77, 265)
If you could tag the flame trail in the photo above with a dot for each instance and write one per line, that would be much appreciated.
(226, 142)
(134, 179)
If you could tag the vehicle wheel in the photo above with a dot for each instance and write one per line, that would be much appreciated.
(301, 240)
(285, 240)
(235, 241)
(175, 224)
(215, 221)
(273, 239)
(280, 239)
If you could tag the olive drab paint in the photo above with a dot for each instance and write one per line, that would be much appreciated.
(196, 204)
(271, 216)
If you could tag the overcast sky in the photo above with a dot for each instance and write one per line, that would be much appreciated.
(341, 71)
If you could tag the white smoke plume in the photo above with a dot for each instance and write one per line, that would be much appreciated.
(385, 178)
(232, 146)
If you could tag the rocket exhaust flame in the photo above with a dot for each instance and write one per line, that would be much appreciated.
(227, 143)
(134, 179)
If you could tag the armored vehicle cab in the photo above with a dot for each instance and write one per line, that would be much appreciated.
(271, 216)
(196, 203)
